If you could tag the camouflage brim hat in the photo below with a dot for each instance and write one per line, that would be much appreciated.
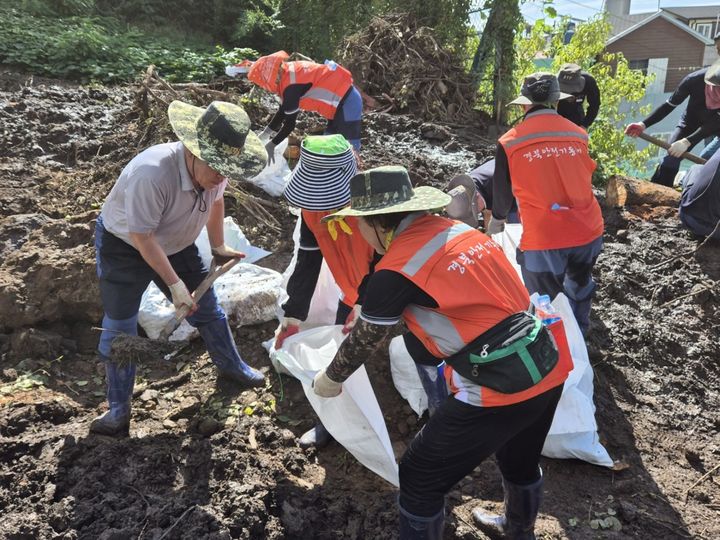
(219, 135)
(388, 190)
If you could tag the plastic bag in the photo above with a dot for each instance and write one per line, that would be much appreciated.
(247, 293)
(353, 418)
(275, 176)
(573, 433)
(405, 376)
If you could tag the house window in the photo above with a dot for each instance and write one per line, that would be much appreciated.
(704, 29)
(641, 65)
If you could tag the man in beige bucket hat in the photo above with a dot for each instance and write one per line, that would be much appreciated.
(147, 230)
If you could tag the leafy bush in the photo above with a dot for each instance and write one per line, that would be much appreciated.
(100, 49)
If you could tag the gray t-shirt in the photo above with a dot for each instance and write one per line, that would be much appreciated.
(155, 194)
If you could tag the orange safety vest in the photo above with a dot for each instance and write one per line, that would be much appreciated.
(329, 85)
(475, 286)
(348, 256)
(551, 174)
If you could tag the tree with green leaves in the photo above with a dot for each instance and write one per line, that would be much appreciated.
(495, 58)
(621, 89)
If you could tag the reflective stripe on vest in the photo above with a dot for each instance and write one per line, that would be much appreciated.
(463, 270)
(320, 94)
(551, 176)
(291, 72)
(428, 250)
(441, 328)
(546, 135)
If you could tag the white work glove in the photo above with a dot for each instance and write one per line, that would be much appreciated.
(352, 319)
(635, 129)
(181, 296)
(288, 327)
(678, 148)
(324, 386)
(224, 253)
(495, 226)
(267, 134)
(270, 149)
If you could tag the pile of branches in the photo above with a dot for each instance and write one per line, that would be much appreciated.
(403, 67)
(152, 98)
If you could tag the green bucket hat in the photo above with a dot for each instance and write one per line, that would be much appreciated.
(388, 190)
(219, 135)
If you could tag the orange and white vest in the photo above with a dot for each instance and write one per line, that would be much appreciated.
(348, 256)
(475, 286)
(551, 174)
(329, 85)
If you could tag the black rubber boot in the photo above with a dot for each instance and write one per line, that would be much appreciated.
(318, 437)
(120, 382)
(414, 527)
(224, 354)
(522, 504)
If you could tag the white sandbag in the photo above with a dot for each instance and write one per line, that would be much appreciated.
(353, 418)
(234, 238)
(247, 293)
(405, 376)
(573, 433)
(275, 176)
(323, 305)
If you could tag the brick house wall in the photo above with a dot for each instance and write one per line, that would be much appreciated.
(662, 39)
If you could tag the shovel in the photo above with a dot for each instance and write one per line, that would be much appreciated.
(127, 348)
(665, 145)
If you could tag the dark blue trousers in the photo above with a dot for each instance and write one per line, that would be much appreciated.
(567, 270)
(124, 276)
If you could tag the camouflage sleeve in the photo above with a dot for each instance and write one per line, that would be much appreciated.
(362, 342)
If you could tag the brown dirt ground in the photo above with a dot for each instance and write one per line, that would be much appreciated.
(210, 461)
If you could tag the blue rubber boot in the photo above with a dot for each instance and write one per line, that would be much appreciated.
(120, 380)
(221, 346)
(414, 527)
(116, 421)
(434, 384)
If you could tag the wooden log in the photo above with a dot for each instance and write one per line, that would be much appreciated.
(624, 191)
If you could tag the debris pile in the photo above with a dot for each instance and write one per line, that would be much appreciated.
(402, 65)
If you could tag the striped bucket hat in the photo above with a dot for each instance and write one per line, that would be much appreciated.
(321, 180)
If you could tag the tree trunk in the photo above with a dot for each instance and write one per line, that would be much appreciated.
(624, 191)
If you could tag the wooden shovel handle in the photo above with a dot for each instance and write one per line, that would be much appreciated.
(666, 145)
(179, 316)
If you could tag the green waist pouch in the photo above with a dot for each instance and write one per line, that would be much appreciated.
(513, 356)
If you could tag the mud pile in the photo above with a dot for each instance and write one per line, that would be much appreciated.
(205, 460)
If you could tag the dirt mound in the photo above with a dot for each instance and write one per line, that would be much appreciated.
(206, 460)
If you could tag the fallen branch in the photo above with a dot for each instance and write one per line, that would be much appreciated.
(689, 252)
(178, 520)
(688, 295)
(175, 380)
(700, 480)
